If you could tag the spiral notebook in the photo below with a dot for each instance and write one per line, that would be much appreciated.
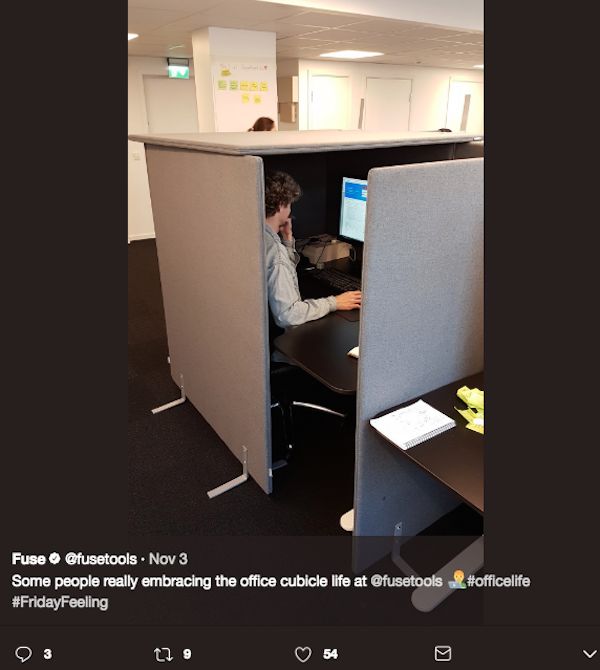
(409, 426)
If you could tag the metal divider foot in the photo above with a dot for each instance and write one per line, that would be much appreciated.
(213, 493)
(174, 403)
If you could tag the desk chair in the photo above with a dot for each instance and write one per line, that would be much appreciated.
(285, 381)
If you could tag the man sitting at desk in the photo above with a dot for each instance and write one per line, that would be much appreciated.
(286, 304)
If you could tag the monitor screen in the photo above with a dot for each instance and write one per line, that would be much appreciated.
(354, 208)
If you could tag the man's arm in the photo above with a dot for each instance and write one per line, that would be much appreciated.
(286, 304)
(287, 237)
(290, 247)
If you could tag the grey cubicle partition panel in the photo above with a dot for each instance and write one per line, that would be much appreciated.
(207, 200)
(298, 141)
(473, 149)
(423, 282)
(208, 214)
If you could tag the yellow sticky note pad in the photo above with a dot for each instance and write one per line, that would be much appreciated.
(225, 72)
(473, 417)
(222, 85)
(254, 86)
(245, 86)
(233, 85)
(257, 99)
(466, 414)
(471, 397)
(264, 86)
(245, 98)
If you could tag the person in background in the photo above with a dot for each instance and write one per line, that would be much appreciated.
(263, 123)
(285, 302)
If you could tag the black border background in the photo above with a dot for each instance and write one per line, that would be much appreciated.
(65, 263)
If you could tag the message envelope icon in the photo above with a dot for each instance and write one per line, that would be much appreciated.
(442, 652)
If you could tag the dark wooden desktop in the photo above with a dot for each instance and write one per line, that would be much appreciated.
(455, 457)
(321, 348)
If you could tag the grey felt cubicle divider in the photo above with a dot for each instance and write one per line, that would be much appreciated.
(208, 214)
(474, 149)
(421, 325)
(207, 193)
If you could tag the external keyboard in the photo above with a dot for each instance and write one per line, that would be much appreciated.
(337, 280)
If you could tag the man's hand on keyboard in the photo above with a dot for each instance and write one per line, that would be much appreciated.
(348, 300)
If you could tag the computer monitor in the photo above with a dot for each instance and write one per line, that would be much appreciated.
(354, 209)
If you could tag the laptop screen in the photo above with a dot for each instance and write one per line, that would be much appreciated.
(354, 208)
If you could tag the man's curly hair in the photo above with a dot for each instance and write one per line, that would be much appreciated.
(280, 190)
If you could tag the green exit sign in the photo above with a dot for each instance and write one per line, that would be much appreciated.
(179, 72)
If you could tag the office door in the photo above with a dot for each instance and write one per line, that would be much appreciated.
(387, 103)
(465, 107)
(170, 105)
(328, 102)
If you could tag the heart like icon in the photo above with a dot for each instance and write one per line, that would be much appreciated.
(303, 653)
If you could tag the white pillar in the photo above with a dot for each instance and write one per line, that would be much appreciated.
(235, 77)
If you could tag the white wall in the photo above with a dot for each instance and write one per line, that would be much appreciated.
(140, 221)
(248, 55)
(430, 88)
(428, 111)
(214, 43)
(287, 68)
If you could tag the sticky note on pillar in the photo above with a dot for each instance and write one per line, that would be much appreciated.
(245, 85)
(233, 85)
(264, 86)
(257, 99)
(245, 98)
(222, 85)
(254, 86)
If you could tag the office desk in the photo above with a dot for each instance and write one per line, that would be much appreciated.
(455, 457)
(321, 348)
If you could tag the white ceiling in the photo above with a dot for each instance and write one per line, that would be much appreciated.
(165, 29)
